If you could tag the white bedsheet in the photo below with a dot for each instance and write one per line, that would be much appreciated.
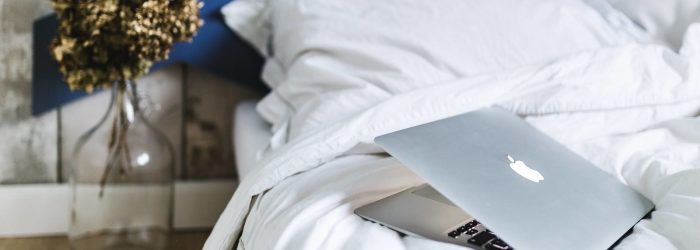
(251, 136)
(628, 109)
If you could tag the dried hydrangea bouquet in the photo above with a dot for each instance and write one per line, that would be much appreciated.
(122, 168)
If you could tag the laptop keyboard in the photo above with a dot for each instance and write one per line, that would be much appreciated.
(476, 234)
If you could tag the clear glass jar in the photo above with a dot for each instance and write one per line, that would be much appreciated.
(122, 180)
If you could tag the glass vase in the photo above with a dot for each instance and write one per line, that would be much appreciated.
(122, 180)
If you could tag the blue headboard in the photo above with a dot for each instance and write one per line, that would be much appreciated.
(215, 49)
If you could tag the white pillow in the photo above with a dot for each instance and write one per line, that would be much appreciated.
(332, 58)
(665, 20)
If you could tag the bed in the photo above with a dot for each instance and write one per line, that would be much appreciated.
(251, 135)
(583, 72)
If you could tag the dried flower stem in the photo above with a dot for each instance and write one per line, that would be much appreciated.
(118, 147)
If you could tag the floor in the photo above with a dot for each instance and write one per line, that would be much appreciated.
(180, 241)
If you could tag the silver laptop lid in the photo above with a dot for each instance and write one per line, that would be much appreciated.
(530, 190)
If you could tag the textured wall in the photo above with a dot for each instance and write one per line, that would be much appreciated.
(28, 151)
(38, 149)
(208, 151)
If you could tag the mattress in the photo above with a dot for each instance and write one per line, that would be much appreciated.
(251, 135)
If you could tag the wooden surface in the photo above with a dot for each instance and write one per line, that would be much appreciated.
(179, 241)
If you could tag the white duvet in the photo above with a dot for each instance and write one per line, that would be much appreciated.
(344, 72)
(629, 109)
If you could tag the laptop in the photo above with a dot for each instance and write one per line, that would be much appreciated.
(495, 182)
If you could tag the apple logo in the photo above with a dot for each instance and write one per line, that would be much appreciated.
(525, 171)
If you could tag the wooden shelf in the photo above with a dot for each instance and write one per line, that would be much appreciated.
(43, 209)
(179, 241)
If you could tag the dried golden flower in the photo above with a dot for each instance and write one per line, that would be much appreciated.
(102, 41)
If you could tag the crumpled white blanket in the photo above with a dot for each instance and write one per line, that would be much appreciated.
(628, 109)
